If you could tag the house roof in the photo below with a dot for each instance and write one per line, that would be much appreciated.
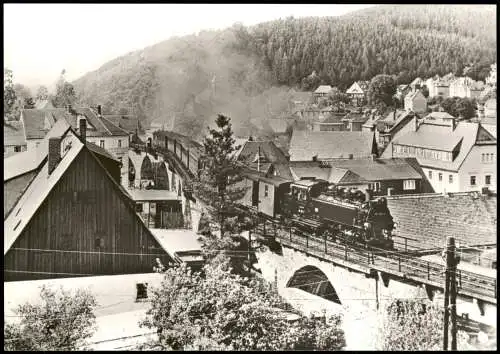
(356, 117)
(13, 133)
(491, 128)
(417, 81)
(363, 85)
(126, 122)
(439, 115)
(430, 140)
(441, 136)
(175, 240)
(42, 104)
(39, 189)
(333, 118)
(430, 218)
(326, 145)
(324, 89)
(414, 94)
(269, 152)
(151, 195)
(37, 122)
(260, 176)
(379, 169)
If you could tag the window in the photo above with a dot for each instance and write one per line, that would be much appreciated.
(99, 243)
(101, 143)
(119, 143)
(440, 176)
(374, 186)
(17, 149)
(138, 207)
(487, 180)
(450, 179)
(409, 184)
(430, 174)
(266, 191)
(472, 180)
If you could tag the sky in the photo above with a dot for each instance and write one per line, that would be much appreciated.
(42, 39)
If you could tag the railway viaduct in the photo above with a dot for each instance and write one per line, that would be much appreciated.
(313, 281)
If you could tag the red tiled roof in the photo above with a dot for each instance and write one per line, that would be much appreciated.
(430, 218)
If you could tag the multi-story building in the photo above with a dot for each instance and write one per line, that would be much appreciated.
(455, 156)
(100, 131)
(466, 87)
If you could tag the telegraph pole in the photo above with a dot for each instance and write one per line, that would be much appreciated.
(450, 294)
(453, 293)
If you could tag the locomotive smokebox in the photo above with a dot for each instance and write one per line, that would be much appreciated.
(368, 195)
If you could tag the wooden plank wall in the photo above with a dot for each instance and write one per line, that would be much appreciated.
(83, 207)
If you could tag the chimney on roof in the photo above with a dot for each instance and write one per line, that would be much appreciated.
(99, 112)
(394, 115)
(54, 155)
(415, 123)
(83, 129)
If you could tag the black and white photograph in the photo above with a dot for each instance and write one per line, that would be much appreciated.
(250, 177)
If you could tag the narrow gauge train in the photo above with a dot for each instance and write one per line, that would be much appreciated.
(316, 206)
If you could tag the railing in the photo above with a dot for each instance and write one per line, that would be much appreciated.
(396, 263)
(392, 262)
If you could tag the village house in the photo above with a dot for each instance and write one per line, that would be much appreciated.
(492, 78)
(21, 168)
(416, 102)
(357, 92)
(323, 146)
(14, 140)
(96, 231)
(455, 156)
(354, 121)
(159, 209)
(440, 86)
(100, 131)
(402, 91)
(466, 87)
(381, 176)
(321, 92)
(416, 84)
(395, 122)
(132, 125)
(332, 122)
(44, 104)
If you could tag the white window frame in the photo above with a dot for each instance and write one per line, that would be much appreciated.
(409, 184)
(101, 143)
(266, 190)
(440, 177)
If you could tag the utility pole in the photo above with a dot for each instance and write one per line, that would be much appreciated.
(450, 294)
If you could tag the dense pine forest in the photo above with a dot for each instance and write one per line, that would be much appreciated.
(247, 72)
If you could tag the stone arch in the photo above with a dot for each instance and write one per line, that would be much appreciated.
(131, 172)
(147, 171)
(161, 176)
(313, 280)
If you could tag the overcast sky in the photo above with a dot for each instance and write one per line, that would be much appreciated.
(42, 39)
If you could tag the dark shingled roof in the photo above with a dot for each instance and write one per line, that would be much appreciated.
(268, 150)
(330, 145)
(430, 218)
(37, 122)
(126, 122)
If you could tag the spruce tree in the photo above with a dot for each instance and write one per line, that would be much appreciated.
(219, 188)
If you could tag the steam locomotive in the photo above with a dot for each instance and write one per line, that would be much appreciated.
(316, 206)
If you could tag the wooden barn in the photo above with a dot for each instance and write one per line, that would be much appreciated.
(74, 219)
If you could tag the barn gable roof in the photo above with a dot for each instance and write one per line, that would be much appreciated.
(42, 185)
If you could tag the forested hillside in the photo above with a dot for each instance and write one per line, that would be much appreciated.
(247, 73)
